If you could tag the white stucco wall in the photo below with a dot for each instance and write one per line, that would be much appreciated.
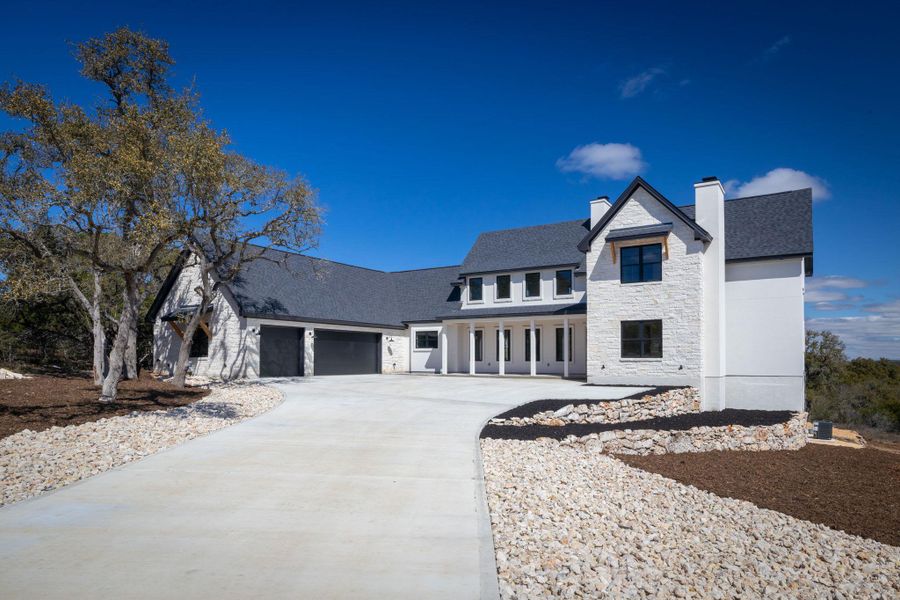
(676, 300)
(424, 360)
(517, 285)
(765, 335)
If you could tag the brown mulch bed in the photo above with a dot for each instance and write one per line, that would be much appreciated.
(857, 491)
(44, 401)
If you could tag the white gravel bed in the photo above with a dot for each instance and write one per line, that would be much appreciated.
(569, 522)
(35, 462)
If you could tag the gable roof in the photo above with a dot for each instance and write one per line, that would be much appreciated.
(638, 182)
(539, 246)
(770, 225)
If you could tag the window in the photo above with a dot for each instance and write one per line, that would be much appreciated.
(505, 345)
(537, 343)
(564, 282)
(641, 263)
(642, 339)
(426, 340)
(199, 344)
(559, 344)
(475, 291)
(532, 285)
(479, 345)
(503, 288)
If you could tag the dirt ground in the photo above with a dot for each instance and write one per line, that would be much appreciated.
(44, 401)
(857, 491)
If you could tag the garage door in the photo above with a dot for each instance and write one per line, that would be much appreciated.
(347, 352)
(280, 351)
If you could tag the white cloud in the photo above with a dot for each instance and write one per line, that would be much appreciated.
(872, 336)
(775, 48)
(605, 161)
(633, 86)
(835, 281)
(781, 179)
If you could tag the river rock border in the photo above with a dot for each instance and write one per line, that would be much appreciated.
(790, 435)
(34, 462)
(678, 401)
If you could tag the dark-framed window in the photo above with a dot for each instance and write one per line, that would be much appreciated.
(532, 285)
(641, 263)
(504, 291)
(642, 339)
(199, 344)
(537, 343)
(479, 345)
(506, 345)
(564, 282)
(560, 331)
(426, 340)
(476, 289)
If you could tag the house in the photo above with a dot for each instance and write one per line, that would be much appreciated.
(642, 292)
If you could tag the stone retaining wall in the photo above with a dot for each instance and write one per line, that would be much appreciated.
(783, 436)
(667, 404)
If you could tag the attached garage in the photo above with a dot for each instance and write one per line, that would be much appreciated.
(347, 352)
(280, 351)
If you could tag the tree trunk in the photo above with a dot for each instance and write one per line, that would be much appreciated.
(184, 352)
(98, 333)
(131, 367)
(127, 320)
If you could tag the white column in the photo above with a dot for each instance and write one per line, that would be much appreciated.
(533, 350)
(444, 349)
(471, 348)
(565, 346)
(501, 343)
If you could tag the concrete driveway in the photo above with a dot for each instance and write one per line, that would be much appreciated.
(355, 487)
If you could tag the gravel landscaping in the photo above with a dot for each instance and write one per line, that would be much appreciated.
(855, 490)
(571, 522)
(33, 462)
(42, 401)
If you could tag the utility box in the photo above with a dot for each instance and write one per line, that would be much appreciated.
(822, 430)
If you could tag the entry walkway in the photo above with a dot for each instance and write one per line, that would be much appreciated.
(355, 487)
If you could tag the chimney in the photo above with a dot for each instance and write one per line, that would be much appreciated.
(709, 200)
(599, 206)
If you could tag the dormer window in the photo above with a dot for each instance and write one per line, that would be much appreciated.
(532, 285)
(564, 282)
(476, 292)
(641, 263)
(503, 287)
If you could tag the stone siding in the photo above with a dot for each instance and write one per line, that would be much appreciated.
(677, 300)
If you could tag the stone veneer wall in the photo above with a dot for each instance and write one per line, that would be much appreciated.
(667, 404)
(394, 352)
(677, 300)
(790, 435)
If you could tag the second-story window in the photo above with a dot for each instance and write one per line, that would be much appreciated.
(532, 285)
(475, 289)
(642, 263)
(564, 282)
(503, 287)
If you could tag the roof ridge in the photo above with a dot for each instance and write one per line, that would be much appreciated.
(752, 197)
(569, 221)
(423, 269)
(318, 258)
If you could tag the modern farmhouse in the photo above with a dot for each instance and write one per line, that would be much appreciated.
(642, 292)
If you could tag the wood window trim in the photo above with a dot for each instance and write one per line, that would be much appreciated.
(661, 239)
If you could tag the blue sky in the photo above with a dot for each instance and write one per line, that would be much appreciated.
(422, 125)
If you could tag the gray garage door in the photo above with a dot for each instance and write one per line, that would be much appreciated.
(280, 351)
(347, 352)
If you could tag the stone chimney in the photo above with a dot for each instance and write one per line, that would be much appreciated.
(599, 208)
(709, 199)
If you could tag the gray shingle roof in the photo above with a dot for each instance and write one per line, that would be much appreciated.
(630, 233)
(294, 286)
(516, 311)
(769, 225)
(539, 246)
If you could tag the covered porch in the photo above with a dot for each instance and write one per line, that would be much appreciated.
(536, 344)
